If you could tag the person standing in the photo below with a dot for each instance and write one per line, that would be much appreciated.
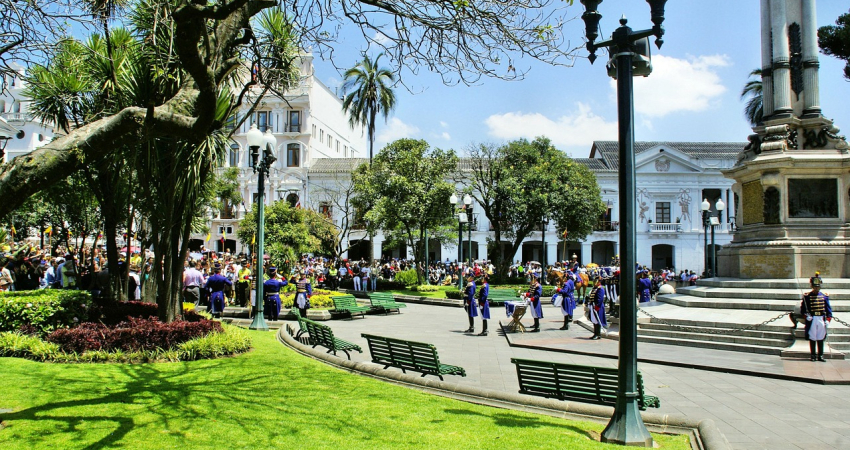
(243, 285)
(533, 295)
(364, 275)
(597, 310)
(303, 292)
(644, 287)
(69, 272)
(470, 306)
(192, 282)
(333, 282)
(568, 302)
(484, 303)
(818, 313)
(216, 284)
(355, 277)
(271, 291)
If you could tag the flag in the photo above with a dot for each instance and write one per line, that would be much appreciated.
(223, 235)
(13, 230)
(209, 235)
(100, 234)
(254, 240)
(49, 230)
(136, 236)
(565, 234)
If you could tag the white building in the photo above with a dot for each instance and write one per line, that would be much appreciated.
(673, 178)
(308, 123)
(31, 134)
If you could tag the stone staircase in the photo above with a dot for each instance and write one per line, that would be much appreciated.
(731, 298)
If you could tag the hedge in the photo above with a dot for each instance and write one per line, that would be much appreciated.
(45, 310)
(320, 299)
(133, 335)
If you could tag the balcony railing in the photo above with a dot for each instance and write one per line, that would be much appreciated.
(16, 117)
(607, 225)
(665, 228)
(292, 128)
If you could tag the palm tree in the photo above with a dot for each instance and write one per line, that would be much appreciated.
(372, 94)
(752, 92)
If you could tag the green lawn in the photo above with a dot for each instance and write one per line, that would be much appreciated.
(270, 397)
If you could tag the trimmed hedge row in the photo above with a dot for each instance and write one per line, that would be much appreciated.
(45, 310)
(132, 335)
(320, 299)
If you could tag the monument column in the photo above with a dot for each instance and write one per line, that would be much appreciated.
(781, 60)
(766, 62)
(811, 102)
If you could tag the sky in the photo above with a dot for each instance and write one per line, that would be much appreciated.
(693, 93)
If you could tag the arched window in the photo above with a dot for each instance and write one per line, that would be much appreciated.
(293, 155)
(292, 199)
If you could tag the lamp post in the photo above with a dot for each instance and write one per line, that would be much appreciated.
(627, 48)
(256, 139)
(705, 206)
(544, 261)
(709, 220)
(462, 218)
(467, 203)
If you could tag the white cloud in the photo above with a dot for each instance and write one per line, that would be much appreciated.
(446, 136)
(392, 130)
(444, 124)
(679, 85)
(380, 38)
(580, 128)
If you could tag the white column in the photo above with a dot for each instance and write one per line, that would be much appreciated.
(377, 242)
(586, 252)
(811, 94)
(781, 59)
(551, 252)
(482, 250)
(766, 60)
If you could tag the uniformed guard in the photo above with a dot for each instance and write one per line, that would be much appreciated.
(216, 283)
(469, 303)
(533, 295)
(644, 285)
(815, 307)
(568, 304)
(271, 292)
(597, 310)
(303, 292)
(484, 303)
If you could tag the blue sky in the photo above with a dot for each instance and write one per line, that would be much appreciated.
(692, 95)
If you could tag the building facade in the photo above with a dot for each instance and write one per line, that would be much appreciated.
(30, 134)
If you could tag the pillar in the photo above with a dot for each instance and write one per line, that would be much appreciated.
(586, 252)
(766, 60)
(482, 251)
(551, 252)
(781, 59)
(377, 243)
(811, 94)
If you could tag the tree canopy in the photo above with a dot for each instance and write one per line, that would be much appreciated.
(834, 40)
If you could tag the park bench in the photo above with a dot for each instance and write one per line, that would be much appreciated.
(348, 303)
(385, 302)
(586, 384)
(302, 327)
(324, 336)
(409, 355)
(498, 297)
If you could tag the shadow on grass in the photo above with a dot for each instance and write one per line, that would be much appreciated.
(509, 420)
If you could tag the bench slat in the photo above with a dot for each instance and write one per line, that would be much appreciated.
(409, 355)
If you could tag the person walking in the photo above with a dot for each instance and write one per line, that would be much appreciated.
(484, 303)
(818, 312)
(533, 295)
(644, 287)
(470, 305)
(597, 310)
(271, 292)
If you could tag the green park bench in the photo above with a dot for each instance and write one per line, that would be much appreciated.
(409, 355)
(302, 327)
(586, 384)
(324, 336)
(498, 297)
(348, 303)
(385, 302)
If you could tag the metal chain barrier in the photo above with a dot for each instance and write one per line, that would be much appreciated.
(841, 321)
(725, 331)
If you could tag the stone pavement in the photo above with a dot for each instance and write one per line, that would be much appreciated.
(753, 412)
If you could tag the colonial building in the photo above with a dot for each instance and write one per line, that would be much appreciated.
(28, 134)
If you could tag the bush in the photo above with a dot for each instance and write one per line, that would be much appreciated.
(320, 299)
(43, 310)
(426, 288)
(19, 345)
(407, 277)
(457, 295)
(118, 312)
(232, 341)
(132, 335)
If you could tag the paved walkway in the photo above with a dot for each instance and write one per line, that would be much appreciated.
(753, 412)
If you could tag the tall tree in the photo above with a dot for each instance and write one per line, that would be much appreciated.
(834, 40)
(753, 94)
(409, 188)
(372, 94)
(521, 183)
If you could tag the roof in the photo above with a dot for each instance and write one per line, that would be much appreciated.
(7, 130)
(594, 164)
(336, 165)
(609, 150)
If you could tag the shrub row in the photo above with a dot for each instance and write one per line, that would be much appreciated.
(132, 335)
(426, 288)
(231, 341)
(320, 299)
(43, 311)
(117, 312)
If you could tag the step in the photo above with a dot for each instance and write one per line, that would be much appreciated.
(761, 334)
(711, 345)
(690, 301)
(841, 346)
(783, 325)
(751, 293)
(719, 338)
(799, 283)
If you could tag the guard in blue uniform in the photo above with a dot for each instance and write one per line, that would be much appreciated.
(216, 284)
(533, 295)
(271, 291)
(469, 302)
(303, 292)
(568, 304)
(484, 303)
(818, 313)
(645, 287)
(597, 310)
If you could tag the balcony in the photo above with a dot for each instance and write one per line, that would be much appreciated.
(665, 228)
(606, 225)
(16, 118)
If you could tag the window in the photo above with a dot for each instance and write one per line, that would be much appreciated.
(337, 146)
(345, 151)
(321, 135)
(263, 121)
(293, 155)
(314, 131)
(662, 212)
(326, 209)
(256, 197)
(226, 212)
(294, 122)
(330, 141)
(230, 124)
(233, 155)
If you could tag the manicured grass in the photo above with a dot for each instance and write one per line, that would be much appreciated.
(270, 397)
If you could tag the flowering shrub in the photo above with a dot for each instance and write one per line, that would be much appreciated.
(43, 311)
(320, 299)
(426, 288)
(407, 277)
(131, 335)
(115, 313)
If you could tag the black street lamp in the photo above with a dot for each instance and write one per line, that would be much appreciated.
(544, 261)
(708, 220)
(629, 56)
(256, 139)
(462, 218)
